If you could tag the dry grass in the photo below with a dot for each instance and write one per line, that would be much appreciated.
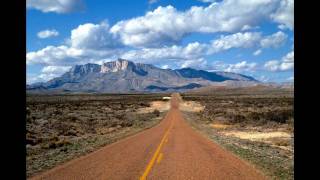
(191, 106)
(220, 126)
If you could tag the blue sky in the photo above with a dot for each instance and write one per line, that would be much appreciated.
(248, 37)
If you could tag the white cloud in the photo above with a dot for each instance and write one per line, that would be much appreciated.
(191, 51)
(263, 78)
(55, 69)
(34, 78)
(93, 36)
(66, 56)
(237, 40)
(52, 55)
(167, 25)
(88, 43)
(47, 33)
(247, 40)
(272, 65)
(282, 26)
(257, 52)
(195, 50)
(200, 63)
(275, 40)
(241, 67)
(165, 66)
(47, 73)
(43, 77)
(289, 57)
(285, 14)
(286, 63)
(248, 27)
(57, 6)
(290, 78)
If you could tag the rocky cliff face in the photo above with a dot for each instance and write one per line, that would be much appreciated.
(116, 66)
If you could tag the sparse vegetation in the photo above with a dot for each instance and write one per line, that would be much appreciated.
(62, 127)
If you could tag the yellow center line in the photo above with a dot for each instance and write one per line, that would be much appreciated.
(159, 158)
(154, 157)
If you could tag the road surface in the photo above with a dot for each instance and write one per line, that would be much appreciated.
(170, 150)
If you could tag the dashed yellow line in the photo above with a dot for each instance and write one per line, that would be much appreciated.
(155, 155)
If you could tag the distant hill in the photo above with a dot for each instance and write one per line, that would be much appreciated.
(122, 76)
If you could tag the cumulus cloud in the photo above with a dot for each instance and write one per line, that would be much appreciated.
(64, 55)
(200, 63)
(47, 33)
(275, 40)
(237, 40)
(167, 25)
(285, 64)
(35, 78)
(192, 51)
(47, 73)
(247, 40)
(248, 27)
(93, 36)
(87, 43)
(57, 6)
(241, 67)
(196, 50)
(94, 42)
(285, 14)
(53, 55)
(55, 69)
(272, 65)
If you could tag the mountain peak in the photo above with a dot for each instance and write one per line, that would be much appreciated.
(115, 66)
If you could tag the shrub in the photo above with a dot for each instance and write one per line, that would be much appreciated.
(156, 112)
(280, 116)
(238, 118)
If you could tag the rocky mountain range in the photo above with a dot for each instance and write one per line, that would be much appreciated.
(123, 76)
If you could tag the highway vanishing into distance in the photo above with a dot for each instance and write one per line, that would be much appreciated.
(170, 150)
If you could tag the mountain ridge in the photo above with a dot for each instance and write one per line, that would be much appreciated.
(126, 76)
